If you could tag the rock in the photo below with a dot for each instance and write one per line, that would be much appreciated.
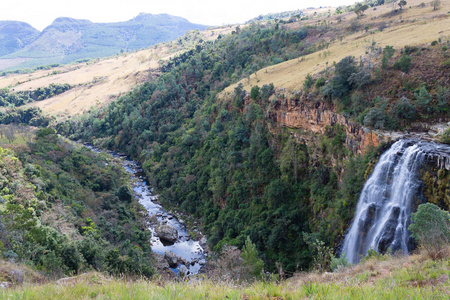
(171, 259)
(182, 271)
(202, 262)
(203, 240)
(161, 262)
(17, 275)
(167, 232)
(5, 285)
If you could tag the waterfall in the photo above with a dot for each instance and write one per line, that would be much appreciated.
(384, 206)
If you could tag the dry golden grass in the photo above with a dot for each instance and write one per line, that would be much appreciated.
(414, 26)
(100, 82)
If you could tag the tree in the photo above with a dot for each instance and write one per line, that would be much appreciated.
(404, 109)
(402, 3)
(375, 118)
(403, 64)
(309, 82)
(388, 52)
(254, 93)
(360, 9)
(435, 4)
(431, 228)
(250, 255)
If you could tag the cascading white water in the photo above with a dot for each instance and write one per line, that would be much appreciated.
(384, 206)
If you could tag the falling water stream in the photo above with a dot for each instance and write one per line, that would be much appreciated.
(384, 206)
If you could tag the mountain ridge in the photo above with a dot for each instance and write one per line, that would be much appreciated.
(67, 39)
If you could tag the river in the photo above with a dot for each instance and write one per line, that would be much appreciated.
(188, 249)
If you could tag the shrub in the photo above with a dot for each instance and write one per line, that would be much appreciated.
(320, 82)
(446, 137)
(388, 52)
(431, 228)
(253, 263)
(266, 91)
(338, 263)
(423, 99)
(124, 194)
(254, 93)
(446, 63)
(309, 82)
(403, 64)
(360, 79)
(375, 118)
(404, 109)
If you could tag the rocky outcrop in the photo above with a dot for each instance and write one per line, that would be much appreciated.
(171, 259)
(167, 233)
(315, 116)
(160, 262)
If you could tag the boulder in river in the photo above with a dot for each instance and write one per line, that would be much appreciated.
(167, 233)
(172, 259)
(203, 240)
(161, 262)
(183, 271)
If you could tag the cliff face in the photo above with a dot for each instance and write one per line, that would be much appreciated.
(315, 116)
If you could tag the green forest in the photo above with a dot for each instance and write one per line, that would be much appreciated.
(219, 158)
(223, 161)
(53, 182)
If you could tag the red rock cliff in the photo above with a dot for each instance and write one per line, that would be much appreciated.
(315, 116)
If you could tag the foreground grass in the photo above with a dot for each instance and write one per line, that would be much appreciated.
(412, 277)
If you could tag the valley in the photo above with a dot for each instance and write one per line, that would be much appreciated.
(286, 149)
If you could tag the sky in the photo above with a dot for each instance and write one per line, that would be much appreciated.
(41, 13)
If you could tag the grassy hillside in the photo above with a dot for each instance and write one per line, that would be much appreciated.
(413, 277)
(100, 81)
(346, 35)
(67, 40)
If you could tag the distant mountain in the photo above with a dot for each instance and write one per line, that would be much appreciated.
(67, 40)
(15, 35)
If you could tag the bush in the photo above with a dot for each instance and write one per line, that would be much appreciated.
(431, 228)
(253, 263)
(254, 93)
(423, 99)
(388, 52)
(404, 109)
(403, 64)
(309, 82)
(338, 263)
(375, 118)
(446, 137)
(320, 82)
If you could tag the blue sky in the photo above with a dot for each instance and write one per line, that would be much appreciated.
(41, 13)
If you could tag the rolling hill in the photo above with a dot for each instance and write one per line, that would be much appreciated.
(67, 40)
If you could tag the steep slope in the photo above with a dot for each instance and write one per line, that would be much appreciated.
(345, 34)
(98, 82)
(231, 155)
(67, 40)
